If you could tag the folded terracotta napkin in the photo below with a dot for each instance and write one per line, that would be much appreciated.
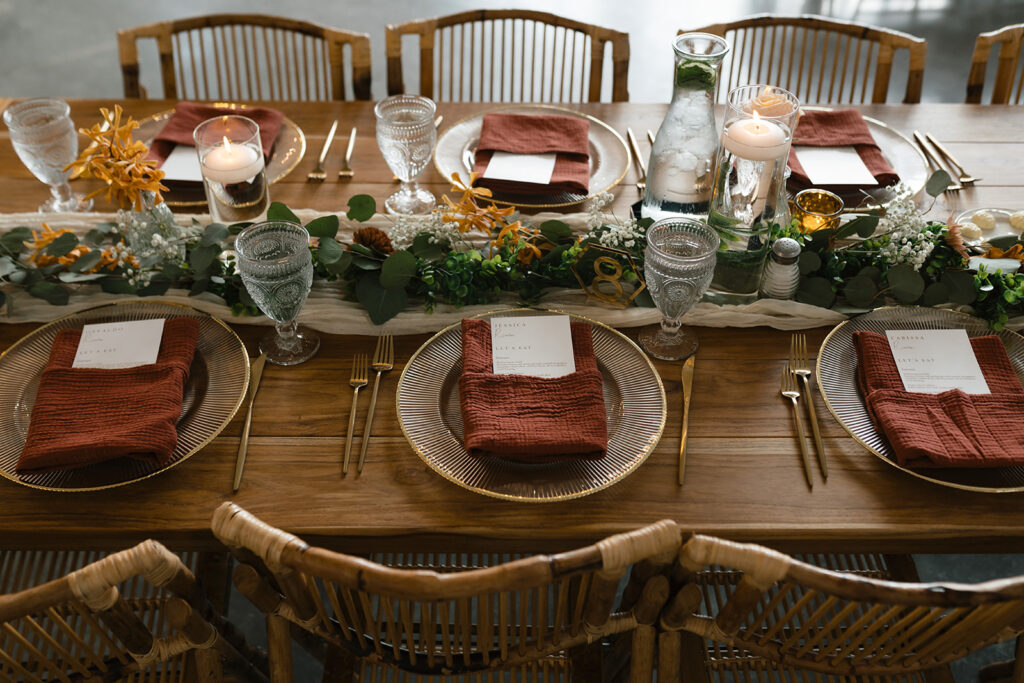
(532, 419)
(84, 416)
(568, 136)
(838, 128)
(187, 115)
(951, 429)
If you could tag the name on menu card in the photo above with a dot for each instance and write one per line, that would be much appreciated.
(522, 168)
(536, 345)
(125, 344)
(933, 361)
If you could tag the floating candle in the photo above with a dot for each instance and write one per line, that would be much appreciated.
(756, 139)
(228, 163)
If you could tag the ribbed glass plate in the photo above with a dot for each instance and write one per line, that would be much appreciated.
(837, 377)
(215, 388)
(609, 156)
(428, 411)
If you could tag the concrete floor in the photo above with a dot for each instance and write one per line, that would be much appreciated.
(68, 49)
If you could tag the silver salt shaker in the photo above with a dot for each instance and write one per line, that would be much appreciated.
(782, 274)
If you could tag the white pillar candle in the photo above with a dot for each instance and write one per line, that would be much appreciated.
(756, 139)
(229, 163)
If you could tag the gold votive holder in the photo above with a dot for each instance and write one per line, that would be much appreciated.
(817, 209)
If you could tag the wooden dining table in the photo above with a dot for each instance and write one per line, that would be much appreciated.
(744, 479)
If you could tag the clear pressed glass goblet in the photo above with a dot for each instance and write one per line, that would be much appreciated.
(406, 135)
(277, 269)
(46, 142)
(678, 265)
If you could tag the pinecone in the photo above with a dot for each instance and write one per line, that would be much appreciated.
(373, 238)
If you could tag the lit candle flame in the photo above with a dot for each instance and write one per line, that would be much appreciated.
(757, 123)
(227, 143)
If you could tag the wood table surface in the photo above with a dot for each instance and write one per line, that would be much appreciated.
(743, 479)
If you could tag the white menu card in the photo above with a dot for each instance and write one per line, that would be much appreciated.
(125, 344)
(834, 166)
(933, 361)
(182, 164)
(536, 345)
(522, 168)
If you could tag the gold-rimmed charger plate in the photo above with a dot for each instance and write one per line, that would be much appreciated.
(429, 414)
(901, 153)
(215, 389)
(289, 147)
(609, 156)
(837, 378)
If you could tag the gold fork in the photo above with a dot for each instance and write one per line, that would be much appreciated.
(383, 360)
(317, 175)
(642, 183)
(789, 390)
(801, 367)
(360, 378)
(933, 163)
(964, 177)
(346, 170)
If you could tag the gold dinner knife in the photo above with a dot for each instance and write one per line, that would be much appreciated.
(687, 377)
(255, 375)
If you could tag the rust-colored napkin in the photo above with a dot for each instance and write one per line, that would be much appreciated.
(838, 128)
(567, 136)
(84, 416)
(187, 115)
(951, 429)
(531, 419)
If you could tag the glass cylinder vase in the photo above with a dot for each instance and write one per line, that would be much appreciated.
(231, 160)
(679, 172)
(748, 199)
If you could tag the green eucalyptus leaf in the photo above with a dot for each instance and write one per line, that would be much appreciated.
(156, 287)
(934, 294)
(860, 291)
(95, 237)
(13, 241)
(906, 284)
(816, 291)
(961, 286)
(199, 285)
(171, 272)
(69, 276)
(278, 211)
(236, 228)
(62, 245)
(819, 240)
(324, 226)
(116, 285)
(341, 266)
(18, 277)
(1005, 241)
(364, 263)
(149, 261)
(863, 226)
(51, 269)
(106, 227)
(425, 249)
(214, 234)
(555, 255)
(202, 258)
(556, 231)
(360, 249)
(720, 220)
(937, 183)
(872, 272)
(50, 292)
(397, 269)
(329, 250)
(361, 207)
(7, 266)
(809, 262)
(382, 303)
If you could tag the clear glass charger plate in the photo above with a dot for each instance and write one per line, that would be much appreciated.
(901, 153)
(609, 156)
(215, 389)
(429, 414)
(837, 378)
(289, 147)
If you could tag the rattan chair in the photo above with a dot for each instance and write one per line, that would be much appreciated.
(133, 615)
(510, 56)
(1009, 39)
(532, 617)
(764, 616)
(249, 57)
(820, 60)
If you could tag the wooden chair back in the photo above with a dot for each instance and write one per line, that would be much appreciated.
(820, 60)
(510, 56)
(799, 615)
(1009, 74)
(444, 622)
(134, 611)
(249, 57)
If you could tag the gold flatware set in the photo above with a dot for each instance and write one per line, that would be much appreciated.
(960, 178)
(255, 375)
(383, 361)
(797, 372)
(318, 175)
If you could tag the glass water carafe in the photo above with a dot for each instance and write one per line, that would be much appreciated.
(679, 172)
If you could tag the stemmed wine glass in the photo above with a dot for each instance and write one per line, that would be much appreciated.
(406, 135)
(46, 142)
(678, 265)
(277, 270)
